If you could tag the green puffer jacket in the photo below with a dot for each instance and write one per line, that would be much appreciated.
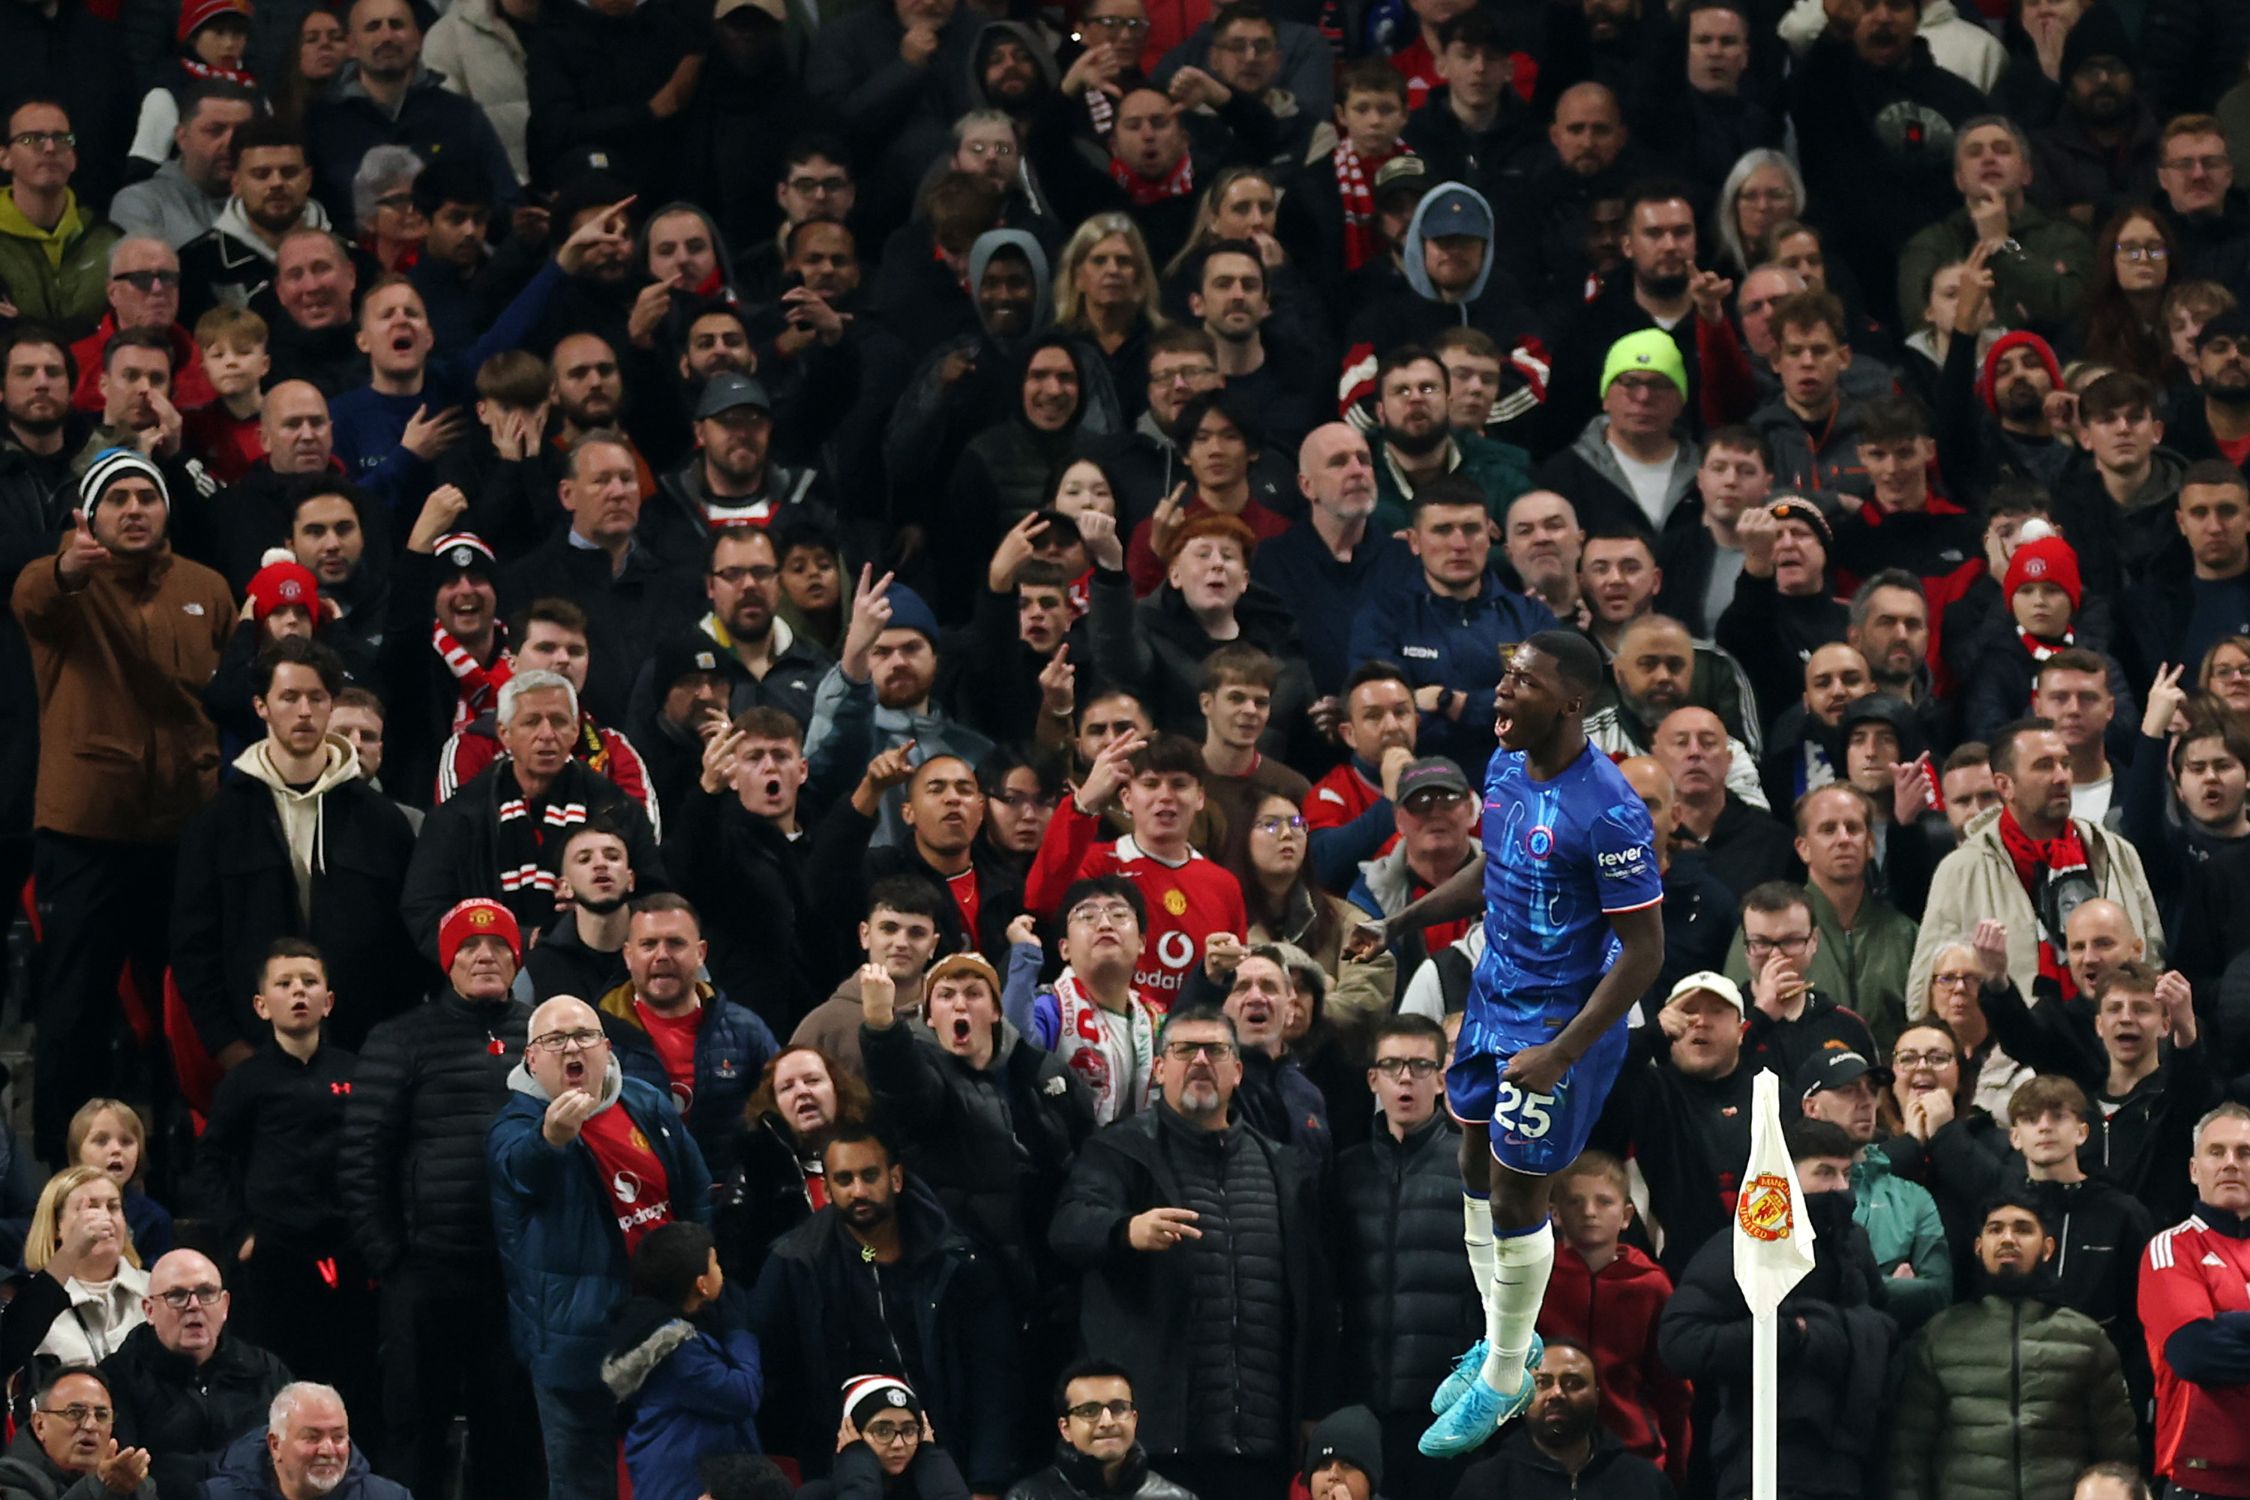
(70, 295)
(1903, 1228)
(2007, 1398)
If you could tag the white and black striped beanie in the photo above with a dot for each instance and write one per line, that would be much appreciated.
(111, 465)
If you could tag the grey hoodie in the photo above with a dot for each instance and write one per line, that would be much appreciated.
(1410, 253)
(987, 245)
(521, 1081)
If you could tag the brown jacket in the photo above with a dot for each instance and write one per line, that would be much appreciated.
(125, 749)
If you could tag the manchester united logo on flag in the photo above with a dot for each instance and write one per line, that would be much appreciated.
(1765, 1209)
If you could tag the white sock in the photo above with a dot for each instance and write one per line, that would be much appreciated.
(1476, 1233)
(1512, 1311)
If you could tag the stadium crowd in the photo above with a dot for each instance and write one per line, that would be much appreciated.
(697, 697)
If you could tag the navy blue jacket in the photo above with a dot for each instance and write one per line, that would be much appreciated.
(732, 1048)
(560, 1247)
(689, 1388)
(246, 1473)
(1453, 642)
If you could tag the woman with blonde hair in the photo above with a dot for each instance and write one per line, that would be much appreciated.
(83, 1284)
(1106, 294)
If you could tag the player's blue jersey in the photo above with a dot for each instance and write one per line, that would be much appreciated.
(1559, 857)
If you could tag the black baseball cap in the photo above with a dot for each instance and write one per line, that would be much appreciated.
(1833, 1070)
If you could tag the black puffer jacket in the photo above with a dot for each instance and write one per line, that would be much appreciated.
(1519, 1471)
(1141, 1309)
(186, 1414)
(761, 1200)
(411, 1167)
(992, 1143)
(1074, 1476)
(1237, 1349)
(1402, 1275)
(1156, 651)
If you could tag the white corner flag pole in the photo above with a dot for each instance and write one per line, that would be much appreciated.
(1773, 1249)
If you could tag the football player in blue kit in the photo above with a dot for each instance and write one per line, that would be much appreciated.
(1574, 934)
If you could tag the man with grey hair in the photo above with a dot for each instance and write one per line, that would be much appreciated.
(502, 834)
(2191, 1306)
(304, 1452)
(2043, 269)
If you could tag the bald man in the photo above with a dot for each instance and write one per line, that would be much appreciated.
(1329, 553)
(1699, 912)
(1806, 751)
(1658, 668)
(584, 1163)
(1743, 844)
(253, 513)
(184, 1389)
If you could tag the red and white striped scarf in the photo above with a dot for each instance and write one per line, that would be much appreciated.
(1177, 184)
(199, 69)
(1355, 189)
(523, 838)
(2041, 648)
(480, 685)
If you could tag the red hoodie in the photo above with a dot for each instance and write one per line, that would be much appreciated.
(1614, 1315)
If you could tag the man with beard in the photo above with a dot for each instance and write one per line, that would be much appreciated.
(385, 95)
(1153, 1201)
(36, 447)
(2219, 425)
(233, 260)
(1805, 750)
(2038, 284)
(1447, 627)
(487, 839)
(1658, 668)
(1561, 1449)
(1964, 1408)
(882, 1280)
(1420, 446)
(877, 697)
(305, 1452)
(1992, 419)
(730, 480)
(1836, 1345)
(1014, 71)
(761, 662)
(1890, 628)
(189, 192)
(588, 393)
(328, 529)
(1332, 552)
(1659, 246)
(582, 953)
(2101, 152)
(673, 1029)
(124, 635)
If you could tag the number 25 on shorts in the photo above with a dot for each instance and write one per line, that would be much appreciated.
(1523, 1114)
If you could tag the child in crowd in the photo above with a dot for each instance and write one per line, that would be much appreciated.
(110, 1136)
(213, 36)
(1608, 1295)
(266, 1180)
(689, 1386)
(228, 431)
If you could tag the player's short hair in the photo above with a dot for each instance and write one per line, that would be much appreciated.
(1576, 661)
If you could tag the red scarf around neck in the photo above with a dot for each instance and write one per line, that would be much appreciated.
(2041, 647)
(2038, 861)
(1355, 189)
(198, 68)
(1178, 183)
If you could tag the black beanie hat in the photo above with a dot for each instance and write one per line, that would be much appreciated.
(1352, 1435)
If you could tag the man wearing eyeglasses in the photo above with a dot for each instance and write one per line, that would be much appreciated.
(1201, 1248)
(585, 1163)
(1100, 1456)
(68, 1448)
(52, 249)
(2210, 217)
(182, 1388)
(144, 292)
(1790, 1023)
(1403, 1275)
